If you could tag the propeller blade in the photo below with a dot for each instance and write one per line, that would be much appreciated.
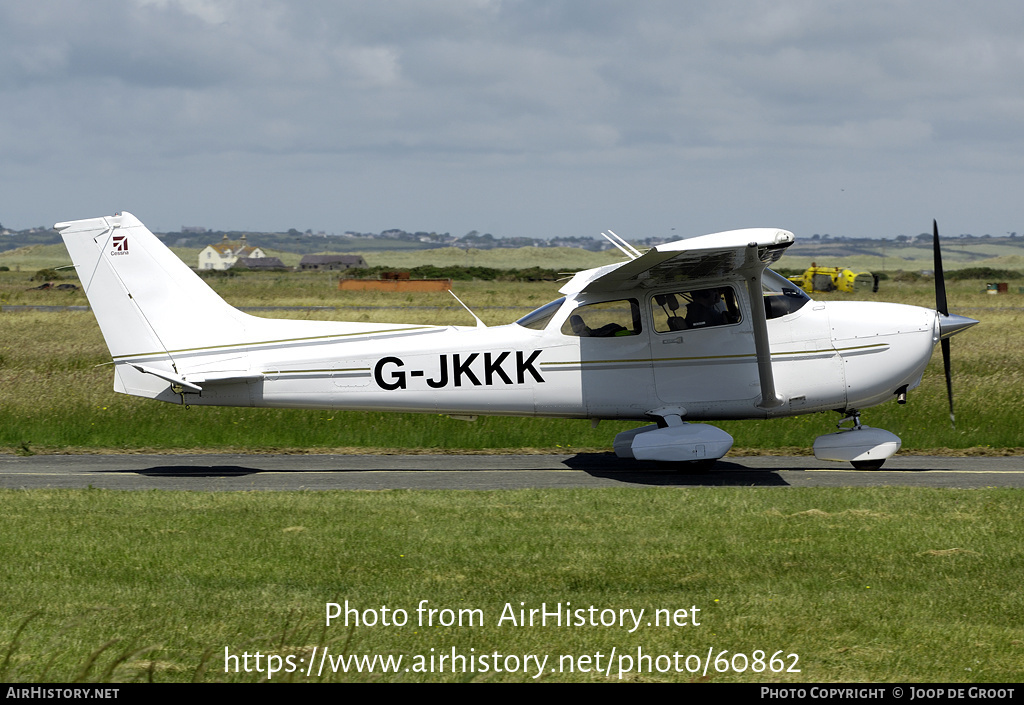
(949, 380)
(940, 278)
(943, 309)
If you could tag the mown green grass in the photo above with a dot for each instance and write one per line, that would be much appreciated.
(55, 395)
(865, 585)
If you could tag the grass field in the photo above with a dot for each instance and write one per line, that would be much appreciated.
(883, 585)
(957, 255)
(33, 257)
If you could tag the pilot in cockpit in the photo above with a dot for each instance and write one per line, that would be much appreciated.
(706, 309)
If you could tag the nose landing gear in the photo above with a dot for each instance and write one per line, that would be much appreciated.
(863, 447)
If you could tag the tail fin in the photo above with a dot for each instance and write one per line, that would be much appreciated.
(158, 318)
(168, 331)
(146, 300)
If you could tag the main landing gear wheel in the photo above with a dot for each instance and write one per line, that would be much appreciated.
(867, 464)
(696, 467)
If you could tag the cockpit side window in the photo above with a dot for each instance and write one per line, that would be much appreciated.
(781, 296)
(696, 308)
(539, 319)
(608, 319)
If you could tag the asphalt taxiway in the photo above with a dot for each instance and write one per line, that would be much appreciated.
(238, 472)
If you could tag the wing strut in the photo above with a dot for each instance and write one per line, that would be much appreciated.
(754, 270)
(625, 247)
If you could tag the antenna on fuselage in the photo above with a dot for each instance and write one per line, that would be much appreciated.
(479, 323)
(625, 248)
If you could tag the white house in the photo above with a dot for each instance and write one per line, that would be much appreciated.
(224, 254)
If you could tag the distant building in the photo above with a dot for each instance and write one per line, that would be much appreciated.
(258, 263)
(224, 254)
(331, 262)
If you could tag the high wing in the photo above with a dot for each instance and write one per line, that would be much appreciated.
(737, 254)
(743, 253)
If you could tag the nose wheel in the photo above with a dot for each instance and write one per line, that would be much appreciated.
(867, 464)
(863, 447)
(871, 464)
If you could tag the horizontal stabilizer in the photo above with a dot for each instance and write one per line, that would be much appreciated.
(170, 377)
(224, 377)
(194, 381)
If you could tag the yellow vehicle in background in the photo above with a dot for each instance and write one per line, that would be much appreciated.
(835, 279)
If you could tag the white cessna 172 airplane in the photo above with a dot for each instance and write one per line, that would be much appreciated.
(694, 330)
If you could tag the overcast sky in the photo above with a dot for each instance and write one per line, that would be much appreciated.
(516, 117)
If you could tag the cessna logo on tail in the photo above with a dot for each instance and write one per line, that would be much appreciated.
(460, 370)
(120, 245)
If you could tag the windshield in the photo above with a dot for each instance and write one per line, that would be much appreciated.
(538, 320)
(781, 296)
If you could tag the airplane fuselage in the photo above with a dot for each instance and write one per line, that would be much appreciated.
(834, 355)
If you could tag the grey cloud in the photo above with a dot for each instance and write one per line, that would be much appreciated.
(543, 91)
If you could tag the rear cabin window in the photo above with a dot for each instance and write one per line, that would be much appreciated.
(608, 319)
(696, 308)
(539, 318)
